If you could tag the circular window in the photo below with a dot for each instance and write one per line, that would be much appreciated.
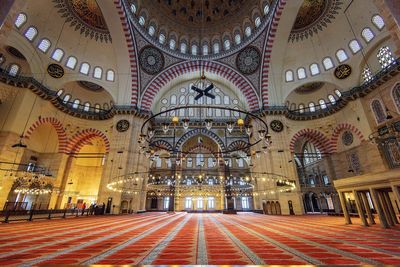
(347, 138)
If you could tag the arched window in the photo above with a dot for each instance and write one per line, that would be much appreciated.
(322, 104)
(266, 9)
(367, 34)
(57, 54)
(301, 108)
(328, 63)
(20, 20)
(152, 30)
(183, 48)
(378, 22)
(133, 8)
(385, 57)
(238, 39)
(31, 33)
(97, 108)
(341, 55)
(314, 69)
(338, 93)
(86, 107)
(44, 45)
(379, 113)
(247, 31)
(173, 100)
(289, 76)
(257, 22)
(227, 44)
(332, 99)
(227, 100)
(110, 76)
(311, 153)
(311, 106)
(205, 50)
(217, 100)
(71, 62)
(301, 73)
(142, 21)
(194, 50)
(366, 74)
(97, 73)
(76, 103)
(163, 109)
(66, 98)
(172, 44)
(354, 46)
(199, 160)
(161, 38)
(60, 92)
(106, 106)
(13, 70)
(396, 96)
(85, 67)
(216, 48)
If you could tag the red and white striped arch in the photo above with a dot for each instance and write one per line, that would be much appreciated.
(83, 138)
(62, 136)
(342, 127)
(318, 139)
(267, 53)
(132, 53)
(223, 71)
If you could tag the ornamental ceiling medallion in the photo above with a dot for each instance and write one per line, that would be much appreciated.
(151, 60)
(85, 16)
(248, 60)
(314, 16)
(55, 71)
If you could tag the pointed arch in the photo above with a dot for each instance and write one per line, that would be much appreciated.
(318, 139)
(197, 131)
(58, 126)
(224, 71)
(83, 138)
(340, 128)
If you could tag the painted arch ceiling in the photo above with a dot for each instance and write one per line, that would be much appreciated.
(189, 20)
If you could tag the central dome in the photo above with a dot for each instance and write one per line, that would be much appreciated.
(220, 25)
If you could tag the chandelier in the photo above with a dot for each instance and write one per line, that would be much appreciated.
(390, 133)
(33, 184)
(202, 183)
(239, 122)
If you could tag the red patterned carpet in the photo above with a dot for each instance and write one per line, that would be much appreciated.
(159, 238)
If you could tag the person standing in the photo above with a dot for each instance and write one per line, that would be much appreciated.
(83, 208)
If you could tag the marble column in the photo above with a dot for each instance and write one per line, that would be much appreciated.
(367, 208)
(360, 208)
(389, 205)
(379, 209)
(344, 208)
(385, 208)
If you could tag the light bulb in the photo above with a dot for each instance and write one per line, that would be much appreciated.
(229, 126)
(185, 124)
(208, 124)
(165, 127)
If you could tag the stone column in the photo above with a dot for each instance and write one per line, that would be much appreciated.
(389, 205)
(385, 208)
(344, 208)
(360, 208)
(396, 193)
(367, 208)
(379, 209)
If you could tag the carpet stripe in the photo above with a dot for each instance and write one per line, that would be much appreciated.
(202, 257)
(248, 252)
(335, 250)
(74, 230)
(164, 243)
(98, 240)
(278, 244)
(129, 242)
(336, 239)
